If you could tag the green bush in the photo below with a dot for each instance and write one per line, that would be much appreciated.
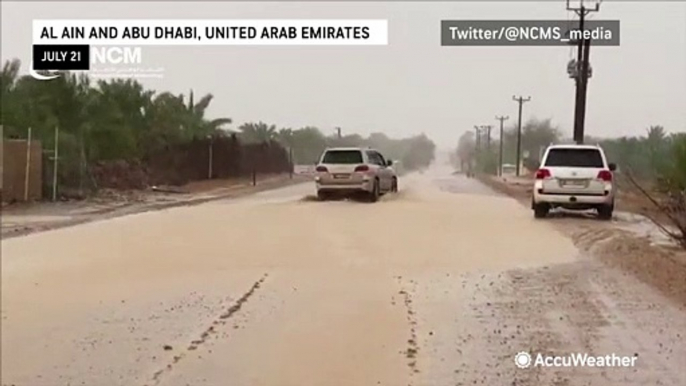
(487, 162)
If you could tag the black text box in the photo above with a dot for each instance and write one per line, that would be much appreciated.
(61, 57)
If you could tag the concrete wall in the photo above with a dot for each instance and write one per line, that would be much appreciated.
(13, 170)
(2, 162)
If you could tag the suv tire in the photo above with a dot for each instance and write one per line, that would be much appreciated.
(322, 196)
(394, 185)
(374, 194)
(541, 210)
(605, 212)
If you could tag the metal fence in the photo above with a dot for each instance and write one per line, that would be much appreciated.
(221, 157)
(21, 168)
(50, 174)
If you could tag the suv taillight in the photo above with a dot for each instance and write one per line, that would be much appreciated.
(322, 169)
(542, 174)
(362, 168)
(605, 175)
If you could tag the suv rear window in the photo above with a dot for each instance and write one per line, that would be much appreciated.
(342, 157)
(580, 158)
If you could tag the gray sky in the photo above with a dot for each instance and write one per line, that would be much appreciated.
(412, 85)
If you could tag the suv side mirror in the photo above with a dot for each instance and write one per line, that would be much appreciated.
(612, 166)
(389, 162)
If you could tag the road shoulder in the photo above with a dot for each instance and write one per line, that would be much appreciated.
(629, 242)
(21, 220)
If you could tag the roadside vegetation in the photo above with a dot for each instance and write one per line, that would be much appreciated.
(308, 143)
(120, 121)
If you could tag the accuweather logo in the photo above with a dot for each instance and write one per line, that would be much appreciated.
(524, 360)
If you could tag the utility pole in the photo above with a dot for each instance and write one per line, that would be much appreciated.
(580, 71)
(338, 130)
(487, 128)
(478, 138)
(477, 151)
(579, 134)
(500, 151)
(488, 136)
(521, 101)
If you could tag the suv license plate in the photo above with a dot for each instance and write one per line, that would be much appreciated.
(574, 182)
(341, 176)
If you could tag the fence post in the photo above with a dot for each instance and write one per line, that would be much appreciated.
(54, 166)
(209, 173)
(28, 167)
(2, 160)
(82, 161)
(290, 162)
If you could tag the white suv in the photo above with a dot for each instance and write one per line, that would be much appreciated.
(574, 177)
(351, 170)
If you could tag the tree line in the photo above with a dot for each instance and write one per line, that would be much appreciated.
(536, 135)
(657, 155)
(308, 143)
(120, 119)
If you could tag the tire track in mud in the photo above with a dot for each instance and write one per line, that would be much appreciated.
(221, 320)
(588, 237)
(660, 267)
(412, 349)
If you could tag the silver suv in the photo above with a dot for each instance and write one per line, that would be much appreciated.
(574, 177)
(353, 170)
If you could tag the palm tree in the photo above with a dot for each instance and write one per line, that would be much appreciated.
(258, 132)
(656, 134)
(656, 142)
(285, 137)
(9, 74)
(196, 122)
(121, 116)
(308, 144)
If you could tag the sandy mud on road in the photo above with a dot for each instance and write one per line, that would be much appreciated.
(441, 284)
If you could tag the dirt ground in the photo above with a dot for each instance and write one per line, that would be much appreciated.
(440, 284)
(628, 242)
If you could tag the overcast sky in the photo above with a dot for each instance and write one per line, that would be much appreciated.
(413, 85)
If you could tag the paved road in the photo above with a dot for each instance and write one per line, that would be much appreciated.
(440, 284)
